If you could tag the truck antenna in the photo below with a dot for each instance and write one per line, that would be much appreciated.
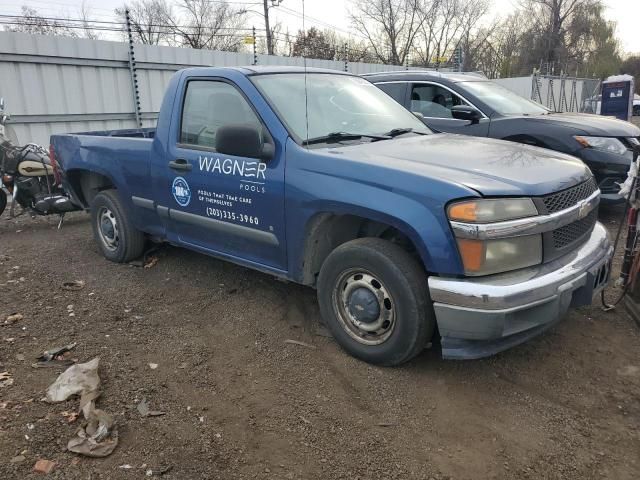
(304, 60)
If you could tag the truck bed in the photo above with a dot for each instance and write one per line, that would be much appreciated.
(121, 156)
(127, 133)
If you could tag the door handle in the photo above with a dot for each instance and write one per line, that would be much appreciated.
(180, 164)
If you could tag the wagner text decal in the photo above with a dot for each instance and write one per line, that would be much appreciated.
(240, 168)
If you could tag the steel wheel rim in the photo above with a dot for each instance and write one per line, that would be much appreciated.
(370, 332)
(108, 229)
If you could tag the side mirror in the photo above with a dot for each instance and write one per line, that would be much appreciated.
(465, 112)
(242, 140)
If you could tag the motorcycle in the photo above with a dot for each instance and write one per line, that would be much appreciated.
(27, 174)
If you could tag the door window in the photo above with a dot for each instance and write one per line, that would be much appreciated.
(394, 90)
(209, 105)
(433, 101)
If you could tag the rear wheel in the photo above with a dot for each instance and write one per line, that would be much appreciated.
(374, 298)
(113, 230)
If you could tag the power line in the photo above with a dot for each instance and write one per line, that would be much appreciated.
(317, 21)
(117, 26)
(72, 23)
(43, 2)
(111, 29)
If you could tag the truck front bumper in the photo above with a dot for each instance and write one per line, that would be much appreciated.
(478, 317)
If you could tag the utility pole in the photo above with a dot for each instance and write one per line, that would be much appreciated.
(274, 3)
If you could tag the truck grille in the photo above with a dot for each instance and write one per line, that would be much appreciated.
(569, 197)
(567, 235)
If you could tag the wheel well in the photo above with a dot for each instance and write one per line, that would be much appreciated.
(328, 231)
(87, 185)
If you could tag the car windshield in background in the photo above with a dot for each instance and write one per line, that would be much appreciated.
(341, 108)
(502, 100)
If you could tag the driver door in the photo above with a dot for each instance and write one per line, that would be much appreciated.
(219, 203)
(434, 103)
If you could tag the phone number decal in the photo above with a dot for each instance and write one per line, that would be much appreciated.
(233, 216)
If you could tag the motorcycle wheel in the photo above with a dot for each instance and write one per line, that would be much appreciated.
(3, 201)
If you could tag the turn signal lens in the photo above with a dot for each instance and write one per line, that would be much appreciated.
(472, 253)
(463, 212)
(491, 210)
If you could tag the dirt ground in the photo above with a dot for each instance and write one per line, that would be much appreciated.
(242, 403)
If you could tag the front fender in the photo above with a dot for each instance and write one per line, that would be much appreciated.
(433, 241)
(419, 216)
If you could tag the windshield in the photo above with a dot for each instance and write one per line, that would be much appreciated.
(502, 100)
(336, 103)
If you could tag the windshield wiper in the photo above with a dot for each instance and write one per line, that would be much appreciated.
(401, 131)
(335, 137)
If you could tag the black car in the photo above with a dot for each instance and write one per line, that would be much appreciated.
(470, 104)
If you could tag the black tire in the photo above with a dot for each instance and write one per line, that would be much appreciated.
(127, 243)
(3, 201)
(400, 277)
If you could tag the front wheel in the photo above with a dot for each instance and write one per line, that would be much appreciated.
(374, 298)
(3, 201)
(113, 230)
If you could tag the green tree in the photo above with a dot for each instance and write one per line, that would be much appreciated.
(314, 44)
(631, 66)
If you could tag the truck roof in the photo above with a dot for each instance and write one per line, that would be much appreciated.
(422, 74)
(268, 69)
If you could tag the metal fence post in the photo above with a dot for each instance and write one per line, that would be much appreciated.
(346, 57)
(255, 52)
(133, 72)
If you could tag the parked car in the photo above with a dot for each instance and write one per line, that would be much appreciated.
(320, 178)
(472, 105)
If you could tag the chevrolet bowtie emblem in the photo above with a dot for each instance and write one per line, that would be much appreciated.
(584, 210)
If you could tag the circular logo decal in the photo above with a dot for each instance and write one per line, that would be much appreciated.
(181, 191)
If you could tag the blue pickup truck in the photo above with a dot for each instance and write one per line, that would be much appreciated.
(321, 178)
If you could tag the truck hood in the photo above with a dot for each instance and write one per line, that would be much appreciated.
(588, 124)
(488, 166)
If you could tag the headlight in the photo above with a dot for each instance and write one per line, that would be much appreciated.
(491, 210)
(604, 144)
(484, 257)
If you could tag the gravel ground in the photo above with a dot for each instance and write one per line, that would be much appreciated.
(242, 403)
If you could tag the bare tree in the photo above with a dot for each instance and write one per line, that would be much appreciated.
(149, 21)
(32, 22)
(390, 26)
(209, 25)
(281, 40)
(447, 25)
(357, 50)
(87, 30)
(550, 20)
(584, 44)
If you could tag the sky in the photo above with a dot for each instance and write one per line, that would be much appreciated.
(327, 14)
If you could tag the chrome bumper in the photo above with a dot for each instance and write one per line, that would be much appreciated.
(478, 317)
